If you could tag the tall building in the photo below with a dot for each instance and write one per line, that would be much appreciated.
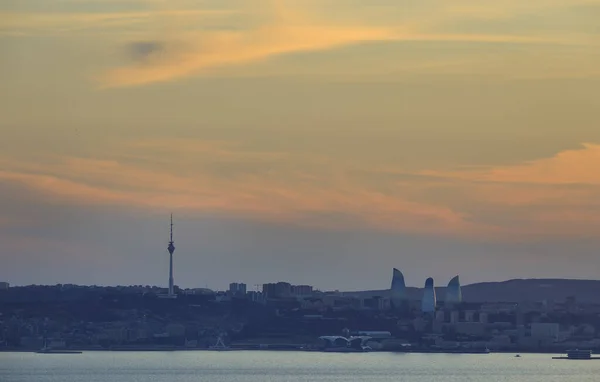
(277, 290)
(237, 288)
(453, 292)
(428, 302)
(398, 289)
(171, 249)
(302, 290)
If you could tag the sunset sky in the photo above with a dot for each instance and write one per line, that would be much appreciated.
(319, 142)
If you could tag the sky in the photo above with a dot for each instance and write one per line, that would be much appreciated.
(318, 142)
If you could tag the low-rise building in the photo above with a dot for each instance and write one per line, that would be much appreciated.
(175, 330)
(470, 328)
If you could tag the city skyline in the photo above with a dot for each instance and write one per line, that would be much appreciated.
(324, 142)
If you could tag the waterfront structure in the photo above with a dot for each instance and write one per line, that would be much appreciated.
(398, 289)
(428, 302)
(4, 285)
(171, 249)
(453, 291)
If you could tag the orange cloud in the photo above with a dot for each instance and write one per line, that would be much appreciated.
(220, 49)
(292, 30)
(578, 166)
(567, 167)
(554, 196)
(541, 197)
(329, 198)
(191, 40)
(510, 194)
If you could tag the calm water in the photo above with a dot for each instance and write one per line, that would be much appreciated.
(260, 366)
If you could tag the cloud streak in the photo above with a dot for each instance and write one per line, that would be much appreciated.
(286, 193)
(192, 39)
(569, 167)
(291, 30)
(218, 177)
(28, 23)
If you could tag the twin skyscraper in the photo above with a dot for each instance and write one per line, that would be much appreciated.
(400, 297)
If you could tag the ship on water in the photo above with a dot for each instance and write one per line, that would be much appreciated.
(578, 354)
(57, 351)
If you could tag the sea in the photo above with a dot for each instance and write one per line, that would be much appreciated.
(266, 366)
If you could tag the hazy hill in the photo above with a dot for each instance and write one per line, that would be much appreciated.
(518, 290)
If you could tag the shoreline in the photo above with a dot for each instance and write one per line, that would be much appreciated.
(117, 350)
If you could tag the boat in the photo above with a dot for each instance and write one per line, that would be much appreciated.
(458, 350)
(57, 351)
(518, 356)
(579, 354)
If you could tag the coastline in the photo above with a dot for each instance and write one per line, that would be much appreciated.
(180, 349)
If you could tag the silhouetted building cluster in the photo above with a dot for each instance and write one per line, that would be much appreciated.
(282, 289)
(282, 315)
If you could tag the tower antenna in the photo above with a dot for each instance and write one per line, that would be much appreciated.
(171, 241)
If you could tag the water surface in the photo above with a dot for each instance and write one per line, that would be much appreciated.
(264, 366)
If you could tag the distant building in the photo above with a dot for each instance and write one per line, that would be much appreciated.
(199, 291)
(376, 303)
(428, 302)
(454, 316)
(277, 290)
(4, 285)
(483, 317)
(269, 290)
(398, 289)
(470, 328)
(545, 331)
(256, 296)
(175, 330)
(453, 292)
(470, 316)
(302, 290)
(237, 288)
(440, 316)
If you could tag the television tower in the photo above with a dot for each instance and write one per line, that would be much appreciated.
(171, 249)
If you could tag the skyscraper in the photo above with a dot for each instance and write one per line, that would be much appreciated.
(398, 289)
(453, 292)
(428, 302)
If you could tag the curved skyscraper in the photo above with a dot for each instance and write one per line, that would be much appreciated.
(428, 301)
(398, 289)
(453, 292)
